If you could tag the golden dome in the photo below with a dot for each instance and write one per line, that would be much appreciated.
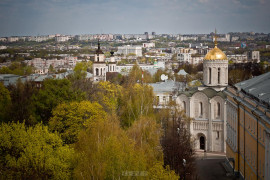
(215, 54)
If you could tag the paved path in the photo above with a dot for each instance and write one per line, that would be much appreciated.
(209, 166)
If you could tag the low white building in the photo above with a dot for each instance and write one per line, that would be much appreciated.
(62, 38)
(148, 45)
(125, 50)
(184, 57)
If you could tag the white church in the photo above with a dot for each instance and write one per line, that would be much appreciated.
(207, 104)
(100, 67)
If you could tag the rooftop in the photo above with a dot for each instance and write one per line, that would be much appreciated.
(258, 87)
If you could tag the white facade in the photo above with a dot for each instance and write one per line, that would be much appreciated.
(207, 106)
(148, 45)
(61, 38)
(184, 57)
(215, 74)
(137, 50)
(196, 59)
(238, 58)
(100, 68)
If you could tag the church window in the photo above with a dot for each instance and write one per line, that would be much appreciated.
(97, 71)
(217, 134)
(101, 71)
(218, 109)
(210, 74)
(218, 75)
(184, 106)
(164, 99)
(201, 109)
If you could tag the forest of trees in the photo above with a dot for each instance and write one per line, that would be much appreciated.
(76, 129)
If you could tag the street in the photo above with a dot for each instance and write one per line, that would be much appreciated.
(209, 166)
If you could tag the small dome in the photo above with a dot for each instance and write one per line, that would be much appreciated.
(215, 54)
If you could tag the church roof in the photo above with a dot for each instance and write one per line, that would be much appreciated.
(167, 86)
(209, 92)
(215, 54)
(99, 51)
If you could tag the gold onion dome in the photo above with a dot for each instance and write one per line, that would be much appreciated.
(216, 53)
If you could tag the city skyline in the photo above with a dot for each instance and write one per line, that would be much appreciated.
(35, 17)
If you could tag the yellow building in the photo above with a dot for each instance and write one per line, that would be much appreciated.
(248, 128)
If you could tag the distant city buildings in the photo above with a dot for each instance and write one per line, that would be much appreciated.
(126, 50)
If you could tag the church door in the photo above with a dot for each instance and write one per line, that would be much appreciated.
(202, 142)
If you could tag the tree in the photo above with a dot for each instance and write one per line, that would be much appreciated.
(5, 103)
(21, 109)
(54, 92)
(106, 152)
(107, 94)
(146, 133)
(177, 144)
(51, 69)
(135, 101)
(159, 173)
(70, 118)
(33, 153)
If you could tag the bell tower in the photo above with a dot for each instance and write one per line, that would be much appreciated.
(99, 65)
(215, 69)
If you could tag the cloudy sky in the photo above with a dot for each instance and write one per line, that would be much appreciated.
(42, 17)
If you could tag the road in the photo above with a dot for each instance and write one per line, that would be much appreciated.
(209, 166)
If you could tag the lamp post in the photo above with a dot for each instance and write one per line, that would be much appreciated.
(184, 164)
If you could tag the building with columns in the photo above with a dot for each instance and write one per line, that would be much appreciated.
(206, 104)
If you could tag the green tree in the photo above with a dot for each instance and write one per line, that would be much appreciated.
(135, 101)
(33, 153)
(21, 109)
(5, 102)
(107, 94)
(159, 173)
(106, 152)
(54, 92)
(70, 118)
(146, 133)
(80, 70)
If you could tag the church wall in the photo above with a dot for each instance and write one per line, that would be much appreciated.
(196, 99)
(183, 98)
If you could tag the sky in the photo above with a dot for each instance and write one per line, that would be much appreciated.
(71, 17)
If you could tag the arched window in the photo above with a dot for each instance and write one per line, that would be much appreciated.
(210, 74)
(218, 109)
(97, 71)
(201, 109)
(184, 106)
(218, 75)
